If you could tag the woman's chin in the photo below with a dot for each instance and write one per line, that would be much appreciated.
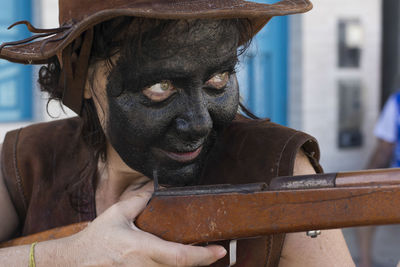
(186, 175)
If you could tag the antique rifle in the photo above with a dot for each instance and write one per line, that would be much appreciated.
(201, 214)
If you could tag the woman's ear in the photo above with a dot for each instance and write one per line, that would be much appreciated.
(87, 92)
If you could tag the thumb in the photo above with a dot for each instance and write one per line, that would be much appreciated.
(135, 200)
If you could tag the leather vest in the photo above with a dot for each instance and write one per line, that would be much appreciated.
(40, 161)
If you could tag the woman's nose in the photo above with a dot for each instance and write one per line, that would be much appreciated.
(195, 122)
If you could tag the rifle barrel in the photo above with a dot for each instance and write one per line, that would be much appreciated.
(288, 204)
(206, 218)
(368, 178)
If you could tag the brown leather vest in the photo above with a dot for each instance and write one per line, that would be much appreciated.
(39, 161)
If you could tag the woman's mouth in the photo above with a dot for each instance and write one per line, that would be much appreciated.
(183, 156)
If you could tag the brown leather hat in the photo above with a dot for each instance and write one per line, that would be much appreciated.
(76, 16)
(72, 41)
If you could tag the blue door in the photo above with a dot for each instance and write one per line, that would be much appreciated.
(15, 79)
(263, 71)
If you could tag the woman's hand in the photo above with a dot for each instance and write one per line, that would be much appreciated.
(112, 239)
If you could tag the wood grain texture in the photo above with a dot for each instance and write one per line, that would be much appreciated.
(360, 198)
(204, 218)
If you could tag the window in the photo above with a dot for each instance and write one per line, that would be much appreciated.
(15, 79)
(350, 113)
(350, 43)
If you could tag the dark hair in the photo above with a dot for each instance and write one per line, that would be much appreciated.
(109, 38)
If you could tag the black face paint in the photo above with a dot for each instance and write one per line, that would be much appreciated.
(174, 135)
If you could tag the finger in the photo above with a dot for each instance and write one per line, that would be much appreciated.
(174, 254)
(135, 201)
(136, 189)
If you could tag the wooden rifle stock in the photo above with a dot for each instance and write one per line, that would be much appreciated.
(201, 214)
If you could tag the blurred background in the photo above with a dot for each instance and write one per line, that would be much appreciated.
(327, 73)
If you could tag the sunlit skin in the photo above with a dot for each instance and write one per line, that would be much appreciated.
(167, 102)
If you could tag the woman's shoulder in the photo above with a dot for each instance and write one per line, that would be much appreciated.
(55, 127)
(37, 163)
(280, 143)
(42, 136)
(251, 151)
(27, 147)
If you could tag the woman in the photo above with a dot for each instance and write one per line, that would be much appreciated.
(155, 95)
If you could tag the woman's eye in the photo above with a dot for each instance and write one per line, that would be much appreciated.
(159, 91)
(218, 81)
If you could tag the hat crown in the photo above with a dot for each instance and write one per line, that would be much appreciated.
(77, 10)
(73, 11)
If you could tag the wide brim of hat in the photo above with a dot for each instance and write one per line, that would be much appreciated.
(259, 14)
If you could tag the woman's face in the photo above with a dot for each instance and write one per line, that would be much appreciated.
(166, 103)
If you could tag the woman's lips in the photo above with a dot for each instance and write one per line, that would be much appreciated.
(183, 156)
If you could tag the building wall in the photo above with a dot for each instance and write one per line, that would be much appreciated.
(314, 93)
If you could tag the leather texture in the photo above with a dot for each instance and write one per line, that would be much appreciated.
(39, 161)
(77, 16)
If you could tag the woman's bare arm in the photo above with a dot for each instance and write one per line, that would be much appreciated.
(18, 256)
(328, 249)
(8, 214)
(112, 239)
(382, 155)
